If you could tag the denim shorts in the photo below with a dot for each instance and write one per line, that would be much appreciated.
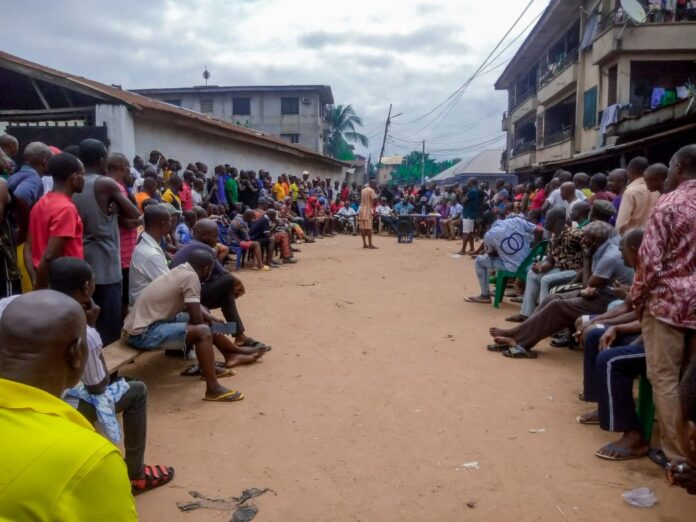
(162, 335)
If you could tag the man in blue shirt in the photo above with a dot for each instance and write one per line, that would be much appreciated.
(403, 207)
(471, 210)
(453, 220)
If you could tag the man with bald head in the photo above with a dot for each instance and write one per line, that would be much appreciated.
(221, 289)
(26, 188)
(637, 200)
(616, 184)
(55, 466)
(655, 176)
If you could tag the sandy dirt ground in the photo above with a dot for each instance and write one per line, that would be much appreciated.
(378, 389)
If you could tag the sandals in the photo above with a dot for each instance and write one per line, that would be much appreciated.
(621, 453)
(495, 347)
(588, 418)
(224, 373)
(194, 370)
(229, 396)
(517, 352)
(154, 477)
(258, 345)
(478, 299)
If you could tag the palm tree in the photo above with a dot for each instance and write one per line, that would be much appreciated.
(341, 121)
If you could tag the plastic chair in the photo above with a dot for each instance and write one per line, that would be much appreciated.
(645, 407)
(501, 275)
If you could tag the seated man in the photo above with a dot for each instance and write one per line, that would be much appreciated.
(220, 289)
(564, 258)
(184, 230)
(347, 218)
(508, 243)
(294, 222)
(386, 215)
(614, 357)
(454, 218)
(152, 322)
(239, 236)
(280, 237)
(54, 465)
(74, 278)
(561, 310)
(149, 261)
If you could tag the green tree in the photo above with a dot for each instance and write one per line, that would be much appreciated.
(342, 122)
(409, 172)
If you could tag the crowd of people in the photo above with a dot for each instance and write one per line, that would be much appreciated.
(606, 263)
(94, 249)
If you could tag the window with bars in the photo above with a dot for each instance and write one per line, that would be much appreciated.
(207, 105)
(292, 138)
(290, 105)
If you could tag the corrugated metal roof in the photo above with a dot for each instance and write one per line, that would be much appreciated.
(485, 162)
(149, 105)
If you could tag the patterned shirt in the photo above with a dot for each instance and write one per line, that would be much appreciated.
(665, 280)
(511, 238)
(566, 249)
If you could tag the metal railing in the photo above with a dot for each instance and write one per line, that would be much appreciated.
(521, 98)
(557, 137)
(554, 69)
(655, 15)
(524, 147)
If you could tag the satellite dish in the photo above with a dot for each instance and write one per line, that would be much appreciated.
(634, 11)
(206, 74)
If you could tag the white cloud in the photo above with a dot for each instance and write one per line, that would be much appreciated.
(409, 53)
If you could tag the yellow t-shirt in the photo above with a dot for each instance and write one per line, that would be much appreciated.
(54, 465)
(279, 192)
(170, 197)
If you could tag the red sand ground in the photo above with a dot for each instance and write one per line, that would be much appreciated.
(378, 389)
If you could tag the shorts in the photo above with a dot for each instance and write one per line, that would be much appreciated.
(468, 225)
(246, 245)
(162, 335)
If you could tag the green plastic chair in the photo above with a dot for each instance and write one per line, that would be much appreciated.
(501, 275)
(645, 407)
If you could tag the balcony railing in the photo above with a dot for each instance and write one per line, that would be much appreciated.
(655, 15)
(518, 100)
(521, 148)
(556, 68)
(557, 137)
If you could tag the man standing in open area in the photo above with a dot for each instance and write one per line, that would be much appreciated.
(367, 199)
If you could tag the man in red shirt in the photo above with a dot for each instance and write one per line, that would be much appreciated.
(185, 192)
(55, 227)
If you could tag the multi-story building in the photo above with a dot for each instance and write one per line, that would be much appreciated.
(387, 167)
(292, 112)
(590, 88)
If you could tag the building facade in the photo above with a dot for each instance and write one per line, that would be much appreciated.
(294, 112)
(38, 103)
(590, 88)
(387, 167)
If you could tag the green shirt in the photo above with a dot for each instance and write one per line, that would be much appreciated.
(232, 190)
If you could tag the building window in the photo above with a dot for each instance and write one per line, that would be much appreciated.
(589, 108)
(207, 105)
(241, 106)
(290, 105)
(292, 138)
(173, 102)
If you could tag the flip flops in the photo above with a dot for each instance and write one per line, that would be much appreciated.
(517, 352)
(258, 345)
(194, 370)
(229, 396)
(478, 299)
(224, 373)
(580, 419)
(621, 453)
(495, 347)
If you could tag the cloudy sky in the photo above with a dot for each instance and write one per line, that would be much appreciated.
(413, 54)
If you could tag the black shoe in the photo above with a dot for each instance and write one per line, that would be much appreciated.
(561, 342)
(658, 457)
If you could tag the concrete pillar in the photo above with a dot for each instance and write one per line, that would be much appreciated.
(119, 126)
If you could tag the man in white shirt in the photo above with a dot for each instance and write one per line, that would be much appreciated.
(347, 217)
(148, 261)
(386, 215)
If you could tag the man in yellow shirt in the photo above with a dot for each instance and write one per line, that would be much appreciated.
(278, 190)
(171, 195)
(54, 465)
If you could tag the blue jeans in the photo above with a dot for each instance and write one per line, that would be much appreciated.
(166, 335)
(538, 286)
(483, 264)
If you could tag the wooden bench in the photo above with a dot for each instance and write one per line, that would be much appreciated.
(118, 354)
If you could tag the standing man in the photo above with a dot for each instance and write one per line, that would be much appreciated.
(55, 226)
(664, 293)
(471, 210)
(55, 467)
(616, 184)
(100, 204)
(637, 200)
(367, 198)
(26, 188)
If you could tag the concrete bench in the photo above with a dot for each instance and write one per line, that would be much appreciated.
(118, 354)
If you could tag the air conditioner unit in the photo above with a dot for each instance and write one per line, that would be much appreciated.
(306, 100)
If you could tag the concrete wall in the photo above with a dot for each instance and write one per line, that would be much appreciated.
(191, 145)
(265, 113)
(119, 127)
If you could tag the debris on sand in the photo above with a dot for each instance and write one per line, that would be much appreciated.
(226, 504)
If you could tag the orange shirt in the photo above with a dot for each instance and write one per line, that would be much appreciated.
(140, 197)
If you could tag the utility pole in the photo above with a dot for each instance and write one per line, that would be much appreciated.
(384, 139)
(423, 165)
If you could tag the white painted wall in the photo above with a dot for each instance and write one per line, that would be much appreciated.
(119, 126)
(188, 145)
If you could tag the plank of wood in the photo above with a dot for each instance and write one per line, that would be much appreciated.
(118, 354)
